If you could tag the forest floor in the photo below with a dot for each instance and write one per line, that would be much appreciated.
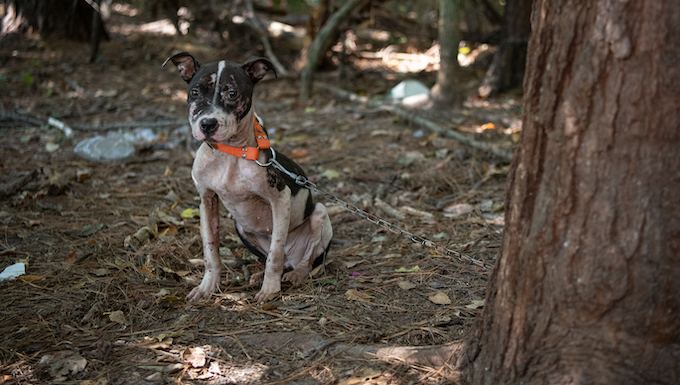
(91, 309)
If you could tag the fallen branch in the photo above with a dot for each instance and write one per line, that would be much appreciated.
(68, 130)
(119, 125)
(417, 120)
(433, 356)
(37, 121)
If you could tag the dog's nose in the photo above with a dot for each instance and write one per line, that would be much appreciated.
(208, 126)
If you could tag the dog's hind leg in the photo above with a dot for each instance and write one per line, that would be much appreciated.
(318, 240)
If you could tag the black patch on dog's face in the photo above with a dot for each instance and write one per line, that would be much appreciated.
(232, 92)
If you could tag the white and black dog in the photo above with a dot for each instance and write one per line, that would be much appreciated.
(275, 217)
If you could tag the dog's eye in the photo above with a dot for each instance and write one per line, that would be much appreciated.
(232, 94)
(195, 93)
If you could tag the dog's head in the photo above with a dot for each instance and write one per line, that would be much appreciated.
(220, 93)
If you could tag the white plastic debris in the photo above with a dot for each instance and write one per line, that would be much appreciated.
(409, 89)
(114, 146)
(13, 271)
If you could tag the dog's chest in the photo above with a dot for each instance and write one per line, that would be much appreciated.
(241, 186)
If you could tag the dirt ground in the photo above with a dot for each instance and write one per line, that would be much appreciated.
(94, 308)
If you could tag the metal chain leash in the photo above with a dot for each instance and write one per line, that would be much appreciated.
(306, 183)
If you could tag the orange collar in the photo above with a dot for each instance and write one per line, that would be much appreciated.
(249, 153)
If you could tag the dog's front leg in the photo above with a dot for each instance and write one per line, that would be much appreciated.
(210, 229)
(273, 270)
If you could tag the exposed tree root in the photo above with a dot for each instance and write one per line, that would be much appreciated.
(433, 356)
(418, 120)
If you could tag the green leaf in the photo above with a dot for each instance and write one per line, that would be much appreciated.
(405, 270)
(190, 213)
(330, 174)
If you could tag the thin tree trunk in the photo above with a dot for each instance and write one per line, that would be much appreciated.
(507, 67)
(445, 92)
(586, 290)
(320, 46)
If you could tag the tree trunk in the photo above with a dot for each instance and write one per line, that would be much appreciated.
(445, 92)
(70, 19)
(587, 287)
(507, 68)
(321, 44)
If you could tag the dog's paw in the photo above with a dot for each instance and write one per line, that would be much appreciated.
(203, 291)
(296, 276)
(256, 278)
(199, 294)
(268, 290)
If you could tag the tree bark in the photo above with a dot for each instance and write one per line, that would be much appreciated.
(445, 92)
(586, 290)
(507, 67)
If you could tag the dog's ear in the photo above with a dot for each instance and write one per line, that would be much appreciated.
(257, 67)
(186, 64)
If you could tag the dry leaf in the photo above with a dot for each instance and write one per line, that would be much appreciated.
(351, 264)
(317, 270)
(101, 272)
(457, 210)
(30, 278)
(362, 376)
(440, 299)
(171, 231)
(69, 260)
(51, 147)
(194, 356)
(171, 219)
(71, 364)
(406, 285)
(414, 211)
(354, 295)
(118, 317)
(476, 304)
(298, 153)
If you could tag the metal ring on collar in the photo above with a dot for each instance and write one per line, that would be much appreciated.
(269, 163)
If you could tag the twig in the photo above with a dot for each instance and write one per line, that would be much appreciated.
(68, 131)
(38, 121)
(418, 120)
(241, 346)
(15, 116)
(262, 31)
(75, 86)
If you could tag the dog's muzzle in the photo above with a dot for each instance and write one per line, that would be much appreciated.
(208, 126)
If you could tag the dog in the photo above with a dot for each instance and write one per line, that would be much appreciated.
(275, 218)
